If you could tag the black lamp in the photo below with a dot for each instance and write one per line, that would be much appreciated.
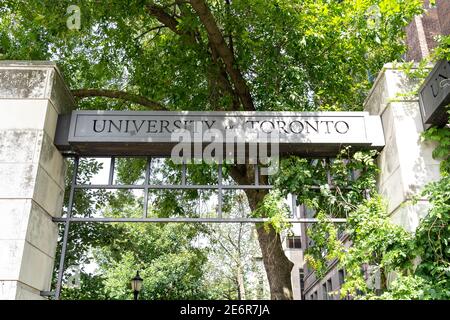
(136, 285)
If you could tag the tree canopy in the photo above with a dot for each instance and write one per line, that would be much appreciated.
(215, 55)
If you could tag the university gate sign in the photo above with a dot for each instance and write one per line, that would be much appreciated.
(156, 133)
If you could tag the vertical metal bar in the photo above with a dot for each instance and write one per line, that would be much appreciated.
(111, 170)
(256, 175)
(146, 183)
(183, 173)
(352, 175)
(327, 166)
(219, 190)
(66, 229)
(367, 194)
(294, 205)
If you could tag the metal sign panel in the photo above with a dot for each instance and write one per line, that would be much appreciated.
(157, 132)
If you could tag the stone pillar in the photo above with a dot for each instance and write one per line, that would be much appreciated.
(32, 94)
(406, 161)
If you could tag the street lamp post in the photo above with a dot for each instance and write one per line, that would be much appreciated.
(136, 285)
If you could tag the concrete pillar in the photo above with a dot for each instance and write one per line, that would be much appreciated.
(32, 94)
(406, 162)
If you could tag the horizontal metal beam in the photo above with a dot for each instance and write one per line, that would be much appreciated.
(174, 186)
(190, 220)
(47, 293)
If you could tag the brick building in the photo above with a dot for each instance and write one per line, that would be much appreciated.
(421, 33)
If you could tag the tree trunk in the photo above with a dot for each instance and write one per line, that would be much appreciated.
(278, 266)
(240, 283)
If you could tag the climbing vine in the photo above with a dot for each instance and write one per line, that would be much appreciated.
(432, 237)
(386, 251)
(348, 191)
(433, 233)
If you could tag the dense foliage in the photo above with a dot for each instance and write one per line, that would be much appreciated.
(384, 261)
(295, 55)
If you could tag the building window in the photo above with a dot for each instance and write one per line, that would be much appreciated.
(324, 292)
(302, 283)
(341, 277)
(329, 288)
(294, 242)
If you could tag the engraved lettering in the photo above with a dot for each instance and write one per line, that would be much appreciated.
(95, 126)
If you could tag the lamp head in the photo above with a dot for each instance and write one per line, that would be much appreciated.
(136, 282)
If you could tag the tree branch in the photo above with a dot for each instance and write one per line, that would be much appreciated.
(225, 53)
(170, 22)
(150, 30)
(165, 18)
(117, 94)
(223, 78)
(230, 35)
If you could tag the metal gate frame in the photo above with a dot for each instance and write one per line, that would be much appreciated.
(220, 187)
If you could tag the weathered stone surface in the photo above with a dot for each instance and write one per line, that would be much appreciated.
(25, 263)
(23, 219)
(388, 160)
(48, 194)
(52, 161)
(393, 190)
(13, 290)
(17, 180)
(41, 115)
(23, 114)
(390, 85)
(51, 120)
(60, 96)
(41, 230)
(17, 145)
(31, 175)
(12, 253)
(24, 84)
(36, 268)
(295, 256)
(14, 215)
(406, 161)
(408, 216)
(35, 80)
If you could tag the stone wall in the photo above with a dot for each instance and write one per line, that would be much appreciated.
(32, 94)
(406, 161)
